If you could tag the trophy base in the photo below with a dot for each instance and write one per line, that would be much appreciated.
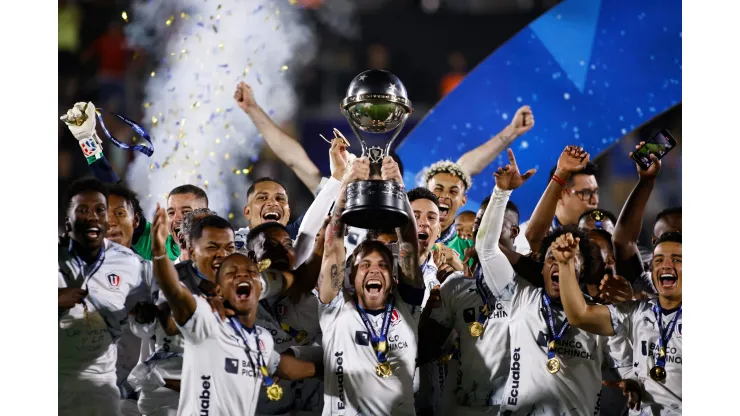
(375, 205)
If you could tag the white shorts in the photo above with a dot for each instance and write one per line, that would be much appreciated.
(89, 397)
(162, 401)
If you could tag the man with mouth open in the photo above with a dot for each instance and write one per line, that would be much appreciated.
(370, 339)
(99, 281)
(554, 368)
(227, 360)
(654, 326)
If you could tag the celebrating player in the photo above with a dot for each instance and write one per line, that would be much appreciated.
(369, 339)
(555, 369)
(98, 282)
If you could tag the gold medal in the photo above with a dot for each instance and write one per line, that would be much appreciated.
(658, 373)
(264, 265)
(274, 392)
(382, 346)
(383, 370)
(301, 337)
(475, 329)
(553, 365)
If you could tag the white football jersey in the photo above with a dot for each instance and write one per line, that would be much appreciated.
(484, 360)
(219, 376)
(87, 347)
(637, 320)
(351, 385)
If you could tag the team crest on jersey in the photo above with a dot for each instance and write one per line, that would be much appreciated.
(262, 346)
(395, 317)
(114, 280)
(281, 310)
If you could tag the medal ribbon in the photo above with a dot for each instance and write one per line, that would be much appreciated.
(147, 150)
(239, 329)
(666, 335)
(550, 318)
(555, 224)
(484, 295)
(448, 235)
(81, 264)
(375, 339)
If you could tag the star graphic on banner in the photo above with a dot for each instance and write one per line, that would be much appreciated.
(362, 77)
(393, 87)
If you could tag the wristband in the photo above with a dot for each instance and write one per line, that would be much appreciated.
(91, 149)
(558, 180)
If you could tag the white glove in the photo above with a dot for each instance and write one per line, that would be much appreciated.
(85, 134)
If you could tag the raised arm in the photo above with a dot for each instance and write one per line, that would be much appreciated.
(592, 318)
(571, 160)
(497, 271)
(629, 224)
(474, 161)
(179, 298)
(331, 277)
(314, 217)
(285, 147)
(88, 140)
(408, 239)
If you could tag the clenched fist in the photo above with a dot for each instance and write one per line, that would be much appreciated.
(244, 97)
(523, 120)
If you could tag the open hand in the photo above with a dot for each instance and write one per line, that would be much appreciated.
(159, 231)
(615, 289)
(508, 177)
(573, 159)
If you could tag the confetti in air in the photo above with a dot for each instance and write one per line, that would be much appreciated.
(204, 49)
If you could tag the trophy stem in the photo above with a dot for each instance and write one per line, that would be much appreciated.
(363, 145)
(395, 135)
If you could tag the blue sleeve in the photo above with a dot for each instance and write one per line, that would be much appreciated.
(103, 171)
(294, 227)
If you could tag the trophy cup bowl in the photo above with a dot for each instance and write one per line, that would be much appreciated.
(377, 103)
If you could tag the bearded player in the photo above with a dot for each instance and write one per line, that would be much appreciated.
(370, 339)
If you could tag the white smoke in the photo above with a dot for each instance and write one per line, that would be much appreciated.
(205, 47)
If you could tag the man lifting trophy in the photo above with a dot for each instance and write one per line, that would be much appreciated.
(377, 103)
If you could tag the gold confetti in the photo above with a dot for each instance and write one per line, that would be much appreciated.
(212, 154)
(124, 16)
(218, 7)
(218, 141)
(147, 105)
(277, 27)
(151, 166)
(293, 2)
(154, 121)
(169, 21)
(153, 74)
(284, 68)
(227, 156)
(184, 15)
(277, 12)
(231, 215)
(246, 71)
(205, 183)
(221, 45)
(235, 170)
(133, 139)
(196, 104)
(245, 171)
(236, 195)
(218, 110)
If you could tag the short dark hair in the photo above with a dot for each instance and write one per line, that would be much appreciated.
(606, 235)
(422, 193)
(466, 212)
(511, 206)
(86, 185)
(262, 228)
(209, 221)
(236, 253)
(666, 212)
(367, 247)
(669, 237)
(250, 191)
(590, 169)
(191, 217)
(189, 189)
(608, 214)
(128, 195)
(584, 246)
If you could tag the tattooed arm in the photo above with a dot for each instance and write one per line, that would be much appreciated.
(408, 252)
(331, 277)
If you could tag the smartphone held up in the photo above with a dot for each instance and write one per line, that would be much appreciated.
(659, 145)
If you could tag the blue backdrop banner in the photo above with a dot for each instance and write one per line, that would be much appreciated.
(592, 71)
